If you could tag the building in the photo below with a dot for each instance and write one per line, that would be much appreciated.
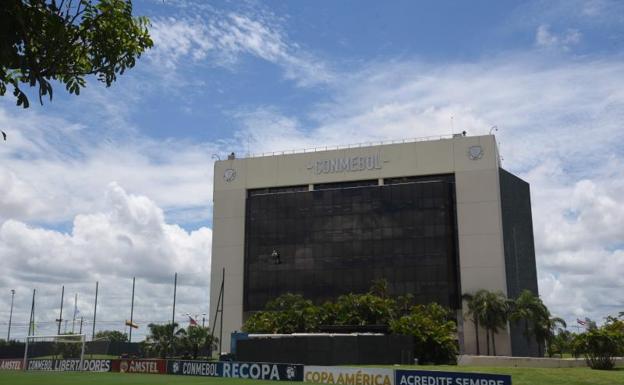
(435, 218)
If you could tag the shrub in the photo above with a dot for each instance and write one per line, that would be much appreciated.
(434, 332)
(599, 346)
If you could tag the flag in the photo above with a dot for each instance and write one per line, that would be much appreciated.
(580, 322)
(132, 324)
(192, 322)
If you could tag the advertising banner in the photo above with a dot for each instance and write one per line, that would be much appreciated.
(263, 371)
(140, 366)
(11, 364)
(70, 365)
(429, 377)
(350, 376)
(195, 368)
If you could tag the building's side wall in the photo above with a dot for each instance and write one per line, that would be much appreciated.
(519, 251)
(480, 234)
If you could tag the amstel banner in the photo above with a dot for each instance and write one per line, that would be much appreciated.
(430, 377)
(70, 365)
(350, 376)
(140, 366)
(11, 364)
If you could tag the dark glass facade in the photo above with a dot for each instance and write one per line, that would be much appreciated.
(340, 237)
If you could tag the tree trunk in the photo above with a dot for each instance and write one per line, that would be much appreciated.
(487, 337)
(494, 342)
(476, 322)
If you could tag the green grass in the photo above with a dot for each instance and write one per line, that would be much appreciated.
(72, 378)
(539, 376)
(519, 376)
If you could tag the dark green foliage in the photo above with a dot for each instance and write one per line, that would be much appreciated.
(195, 340)
(489, 310)
(162, 340)
(47, 40)
(112, 336)
(434, 331)
(288, 313)
(601, 345)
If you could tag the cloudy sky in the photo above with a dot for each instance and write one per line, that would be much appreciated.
(117, 182)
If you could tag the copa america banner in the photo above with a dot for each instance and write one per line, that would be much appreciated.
(430, 377)
(352, 376)
(70, 365)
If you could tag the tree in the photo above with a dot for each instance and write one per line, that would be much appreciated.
(527, 309)
(495, 315)
(195, 339)
(475, 311)
(45, 40)
(434, 331)
(600, 346)
(162, 339)
(112, 336)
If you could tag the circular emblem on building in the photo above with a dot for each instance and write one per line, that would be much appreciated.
(123, 366)
(229, 175)
(176, 367)
(475, 152)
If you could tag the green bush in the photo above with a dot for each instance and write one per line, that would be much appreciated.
(434, 331)
(600, 346)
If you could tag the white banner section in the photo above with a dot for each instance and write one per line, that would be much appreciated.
(348, 376)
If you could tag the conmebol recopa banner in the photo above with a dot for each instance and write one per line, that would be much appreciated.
(70, 365)
(348, 376)
(429, 377)
(11, 364)
(195, 368)
(263, 371)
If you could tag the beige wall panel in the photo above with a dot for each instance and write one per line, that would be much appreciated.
(478, 218)
(228, 231)
(489, 278)
(477, 186)
(230, 258)
(231, 204)
(483, 250)
(233, 289)
(461, 146)
(503, 346)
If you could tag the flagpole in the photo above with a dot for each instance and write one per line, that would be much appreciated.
(131, 311)
(75, 310)
(97, 285)
(60, 320)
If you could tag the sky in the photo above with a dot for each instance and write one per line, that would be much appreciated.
(117, 182)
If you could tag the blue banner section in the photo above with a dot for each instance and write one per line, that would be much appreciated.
(430, 377)
(195, 368)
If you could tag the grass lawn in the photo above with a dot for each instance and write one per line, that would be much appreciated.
(539, 376)
(73, 378)
(519, 376)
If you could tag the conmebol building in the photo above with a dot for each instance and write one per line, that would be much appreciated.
(435, 218)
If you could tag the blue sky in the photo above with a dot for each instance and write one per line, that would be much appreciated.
(117, 182)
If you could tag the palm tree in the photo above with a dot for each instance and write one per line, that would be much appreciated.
(196, 338)
(475, 311)
(548, 330)
(526, 308)
(162, 337)
(495, 315)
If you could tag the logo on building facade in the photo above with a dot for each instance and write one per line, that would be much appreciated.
(346, 164)
(229, 175)
(475, 152)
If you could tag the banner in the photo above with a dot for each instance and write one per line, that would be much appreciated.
(263, 371)
(195, 368)
(140, 366)
(350, 376)
(70, 365)
(428, 377)
(11, 364)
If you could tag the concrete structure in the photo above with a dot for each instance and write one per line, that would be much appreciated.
(491, 244)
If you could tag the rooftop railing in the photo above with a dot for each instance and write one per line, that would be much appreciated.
(348, 146)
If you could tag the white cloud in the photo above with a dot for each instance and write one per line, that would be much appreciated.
(128, 237)
(222, 39)
(545, 38)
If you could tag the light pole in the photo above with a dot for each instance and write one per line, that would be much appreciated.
(10, 315)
